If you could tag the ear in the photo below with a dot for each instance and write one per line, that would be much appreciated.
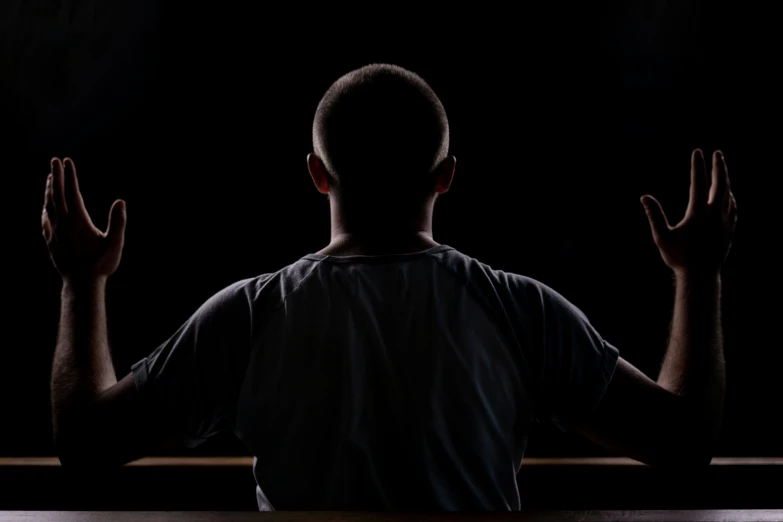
(444, 174)
(318, 173)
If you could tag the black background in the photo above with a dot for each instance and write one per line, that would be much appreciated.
(199, 117)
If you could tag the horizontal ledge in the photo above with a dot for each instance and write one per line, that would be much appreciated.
(248, 461)
(728, 515)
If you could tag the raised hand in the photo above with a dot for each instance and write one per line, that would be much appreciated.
(77, 248)
(701, 241)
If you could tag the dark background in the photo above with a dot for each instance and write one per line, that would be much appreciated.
(200, 117)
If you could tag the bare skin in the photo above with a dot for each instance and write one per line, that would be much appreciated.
(92, 412)
(84, 257)
(668, 422)
(411, 233)
(695, 250)
(676, 420)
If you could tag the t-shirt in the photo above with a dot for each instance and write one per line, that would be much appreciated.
(395, 382)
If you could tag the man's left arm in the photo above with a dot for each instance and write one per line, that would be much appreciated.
(185, 390)
(97, 420)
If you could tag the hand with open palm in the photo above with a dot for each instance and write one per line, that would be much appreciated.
(77, 248)
(701, 241)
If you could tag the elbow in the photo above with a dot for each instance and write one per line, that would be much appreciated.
(76, 446)
(699, 452)
(692, 450)
(65, 442)
(692, 440)
(79, 458)
(693, 459)
(682, 460)
(72, 454)
(705, 462)
(72, 460)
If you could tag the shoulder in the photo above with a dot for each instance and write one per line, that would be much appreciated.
(517, 294)
(275, 286)
(488, 279)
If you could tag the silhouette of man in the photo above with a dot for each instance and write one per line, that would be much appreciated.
(387, 371)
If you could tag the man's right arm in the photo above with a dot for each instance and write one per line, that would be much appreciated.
(676, 420)
(693, 367)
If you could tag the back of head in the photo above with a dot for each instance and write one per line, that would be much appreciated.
(381, 129)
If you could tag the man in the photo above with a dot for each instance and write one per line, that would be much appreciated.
(387, 371)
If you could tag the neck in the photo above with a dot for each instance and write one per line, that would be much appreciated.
(365, 235)
(348, 244)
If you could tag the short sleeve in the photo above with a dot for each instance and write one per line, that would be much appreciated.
(194, 378)
(578, 363)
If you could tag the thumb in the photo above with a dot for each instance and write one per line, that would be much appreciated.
(115, 233)
(658, 222)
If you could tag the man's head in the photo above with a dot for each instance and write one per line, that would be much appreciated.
(381, 136)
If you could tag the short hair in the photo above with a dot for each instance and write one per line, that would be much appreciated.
(380, 120)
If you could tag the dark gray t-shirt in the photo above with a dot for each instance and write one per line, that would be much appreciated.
(404, 382)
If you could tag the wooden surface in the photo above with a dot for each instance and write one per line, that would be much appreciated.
(201, 484)
(248, 461)
(542, 516)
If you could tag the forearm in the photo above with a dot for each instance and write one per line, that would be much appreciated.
(693, 367)
(82, 366)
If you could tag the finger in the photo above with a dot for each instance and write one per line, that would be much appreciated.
(115, 233)
(699, 187)
(659, 225)
(49, 198)
(46, 226)
(58, 188)
(729, 199)
(732, 207)
(719, 192)
(73, 196)
(46, 189)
